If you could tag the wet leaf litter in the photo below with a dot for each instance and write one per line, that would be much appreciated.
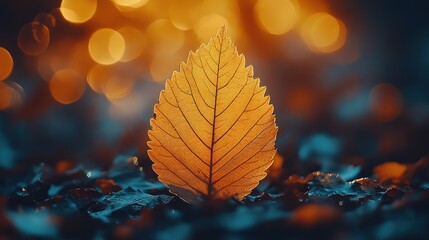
(295, 206)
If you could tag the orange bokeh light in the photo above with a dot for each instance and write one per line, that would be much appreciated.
(106, 46)
(9, 96)
(6, 63)
(385, 102)
(164, 37)
(311, 214)
(323, 33)
(46, 19)
(118, 86)
(276, 168)
(97, 76)
(78, 11)
(114, 83)
(129, 4)
(67, 86)
(208, 25)
(33, 39)
(135, 43)
(276, 16)
(183, 14)
(302, 101)
(5, 96)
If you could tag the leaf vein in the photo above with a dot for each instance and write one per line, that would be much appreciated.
(178, 176)
(242, 147)
(190, 125)
(196, 105)
(241, 164)
(253, 109)
(202, 180)
(244, 110)
(236, 96)
(196, 86)
(190, 149)
(233, 75)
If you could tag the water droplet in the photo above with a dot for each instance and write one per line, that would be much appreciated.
(135, 161)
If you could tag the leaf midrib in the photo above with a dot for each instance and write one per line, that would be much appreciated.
(210, 184)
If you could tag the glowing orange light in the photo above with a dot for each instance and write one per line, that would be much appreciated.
(33, 38)
(183, 14)
(302, 101)
(114, 83)
(276, 16)
(385, 102)
(78, 11)
(67, 86)
(106, 46)
(165, 37)
(97, 76)
(135, 42)
(208, 25)
(117, 87)
(6, 63)
(9, 96)
(323, 33)
(5, 96)
(126, 4)
(312, 214)
(64, 165)
(276, 168)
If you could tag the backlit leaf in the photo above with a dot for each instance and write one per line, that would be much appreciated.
(213, 130)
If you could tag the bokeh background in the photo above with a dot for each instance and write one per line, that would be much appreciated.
(349, 79)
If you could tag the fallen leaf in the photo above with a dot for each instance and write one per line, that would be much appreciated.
(418, 173)
(390, 172)
(123, 199)
(82, 197)
(213, 130)
(403, 174)
(329, 186)
(107, 186)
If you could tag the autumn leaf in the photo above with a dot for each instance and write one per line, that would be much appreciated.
(127, 198)
(213, 130)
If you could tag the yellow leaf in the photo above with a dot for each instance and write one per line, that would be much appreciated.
(213, 130)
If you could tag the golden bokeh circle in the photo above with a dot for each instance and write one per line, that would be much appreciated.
(78, 11)
(106, 46)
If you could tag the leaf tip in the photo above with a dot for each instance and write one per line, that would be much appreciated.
(222, 33)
